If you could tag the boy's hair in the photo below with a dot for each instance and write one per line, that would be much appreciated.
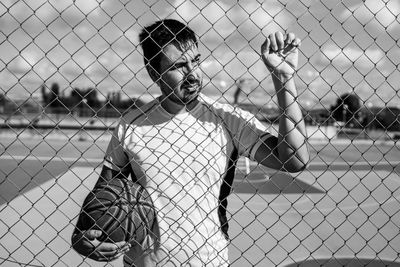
(161, 33)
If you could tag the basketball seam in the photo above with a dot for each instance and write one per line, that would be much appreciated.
(128, 190)
(115, 221)
(110, 223)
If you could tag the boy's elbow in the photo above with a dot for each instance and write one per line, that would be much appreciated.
(297, 165)
(296, 168)
(293, 169)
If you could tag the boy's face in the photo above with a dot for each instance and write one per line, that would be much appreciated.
(180, 75)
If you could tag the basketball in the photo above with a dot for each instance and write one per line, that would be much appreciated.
(121, 209)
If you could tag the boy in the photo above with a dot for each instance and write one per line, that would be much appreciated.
(183, 148)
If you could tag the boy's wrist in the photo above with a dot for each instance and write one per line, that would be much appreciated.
(282, 76)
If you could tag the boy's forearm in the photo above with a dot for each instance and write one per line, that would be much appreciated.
(292, 146)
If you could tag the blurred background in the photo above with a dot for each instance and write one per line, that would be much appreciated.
(82, 58)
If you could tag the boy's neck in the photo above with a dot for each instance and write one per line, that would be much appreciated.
(176, 108)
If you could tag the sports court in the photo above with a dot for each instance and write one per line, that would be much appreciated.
(344, 209)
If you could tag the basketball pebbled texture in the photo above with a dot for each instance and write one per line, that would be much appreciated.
(121, 209)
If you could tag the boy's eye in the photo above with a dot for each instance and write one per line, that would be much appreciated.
(176, 66)
(196, 61)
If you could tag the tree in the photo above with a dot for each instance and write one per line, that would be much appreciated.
(51, 98)
(348, 110)
(91, 97)
(3, 102)
(2, 99)
(55, 96)
(389, 119)
(45, 95)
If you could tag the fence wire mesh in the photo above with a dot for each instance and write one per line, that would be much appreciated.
(70, 70)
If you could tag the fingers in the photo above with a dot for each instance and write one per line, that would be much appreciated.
(111, 247)
(92, 234)
(280, 43)
(265, 47)
(292, 41)
(277, 42)
(109, 251)
(296, 42)
(105, 256)
(102, 251)
(290, 37)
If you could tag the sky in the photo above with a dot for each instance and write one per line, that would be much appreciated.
(348, 46)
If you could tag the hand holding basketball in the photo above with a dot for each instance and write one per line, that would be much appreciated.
(116, 214)
(87, 244)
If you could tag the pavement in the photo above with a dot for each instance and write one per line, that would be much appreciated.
(345, 205)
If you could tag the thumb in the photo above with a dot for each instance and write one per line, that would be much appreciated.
(93, 234)
(265, 48)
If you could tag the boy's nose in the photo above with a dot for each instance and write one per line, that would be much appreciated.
(188, 68)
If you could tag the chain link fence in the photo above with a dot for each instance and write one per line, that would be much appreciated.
(70, 69)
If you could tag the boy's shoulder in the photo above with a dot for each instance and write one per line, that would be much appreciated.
(224, 109)
(132, 115)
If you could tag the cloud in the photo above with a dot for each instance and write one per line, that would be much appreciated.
(236, 24)
(375, 12)
(344, 58)
(81, 38)
(87, 6)
(19, 66)
(91, 43)
(209, 11)
(232, 33)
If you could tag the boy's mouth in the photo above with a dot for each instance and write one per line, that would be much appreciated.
(190, 87)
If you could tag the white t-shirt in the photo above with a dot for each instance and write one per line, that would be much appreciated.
(183, 161)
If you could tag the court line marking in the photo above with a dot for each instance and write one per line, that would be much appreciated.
(56, 158)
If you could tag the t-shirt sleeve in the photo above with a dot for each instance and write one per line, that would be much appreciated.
(248, 133)
(115, 157)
